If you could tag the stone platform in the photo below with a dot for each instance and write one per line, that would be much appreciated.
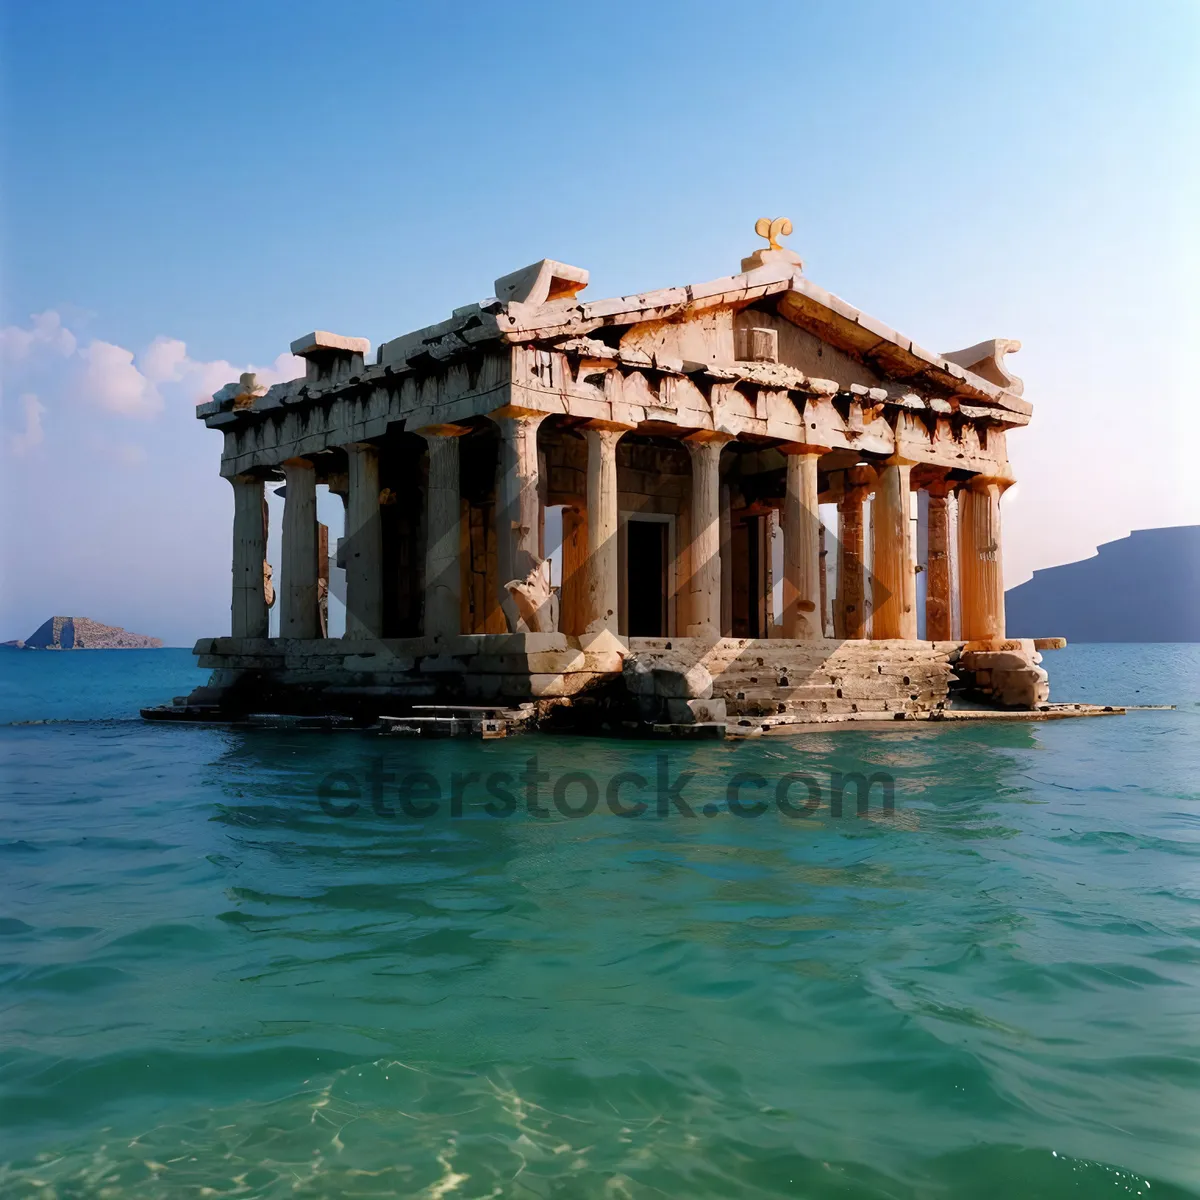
(608, 682)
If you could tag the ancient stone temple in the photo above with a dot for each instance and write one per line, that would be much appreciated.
(678, 445)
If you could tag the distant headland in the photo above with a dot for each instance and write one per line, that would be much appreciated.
(82, 633)
(1142, 588)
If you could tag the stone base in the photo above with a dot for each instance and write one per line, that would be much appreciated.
(368, 677)
(651, 681)
(1005, 673)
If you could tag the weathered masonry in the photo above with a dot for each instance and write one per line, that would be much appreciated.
(687, 438)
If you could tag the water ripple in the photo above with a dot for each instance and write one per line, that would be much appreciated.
(209, 986)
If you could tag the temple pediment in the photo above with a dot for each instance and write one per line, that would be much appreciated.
(763, 354)
(699, 321)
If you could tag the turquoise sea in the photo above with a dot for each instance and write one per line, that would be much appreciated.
(211, 985)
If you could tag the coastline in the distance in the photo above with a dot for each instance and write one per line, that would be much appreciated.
(82, 633)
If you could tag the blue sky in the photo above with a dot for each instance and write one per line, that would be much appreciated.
(190, 187)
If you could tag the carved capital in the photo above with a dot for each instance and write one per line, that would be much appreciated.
(708, 437)
(514, 412)
(441, 431)
(984, 483)
(617, 427)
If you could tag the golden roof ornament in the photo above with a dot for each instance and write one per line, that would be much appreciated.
(772, 228)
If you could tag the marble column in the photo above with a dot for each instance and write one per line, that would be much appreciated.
(601, 582)
(517, 501)
(952, 540)
(726, 561)
(938, 627)
(362, 546)
(443, 532)
(572, 618)
(851, 616)
(298, 615)
(802, 544)
(322, 580)
(249, 615)
(705, 552)
(823, 575)
(893, 561)
(981, 575)
(773, 533)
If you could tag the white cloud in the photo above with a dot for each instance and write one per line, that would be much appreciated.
(286, 366)
(112, 380)
(125, 454)
(165, 360)
(33, 434)
(46, 332)
(208, 377)
(212, 376)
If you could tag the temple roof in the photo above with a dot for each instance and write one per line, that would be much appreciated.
(540, 305)
(799, 300)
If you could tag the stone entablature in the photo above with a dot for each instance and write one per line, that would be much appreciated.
(885, 389)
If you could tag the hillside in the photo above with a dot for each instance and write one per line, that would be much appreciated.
(82, 633)
(1142, 588)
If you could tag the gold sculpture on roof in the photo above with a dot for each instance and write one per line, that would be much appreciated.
(773, 230)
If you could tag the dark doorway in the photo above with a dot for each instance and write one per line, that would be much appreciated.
(750, 552)
(646, 578)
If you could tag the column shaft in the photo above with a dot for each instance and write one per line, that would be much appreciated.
(952, 548)
(802, 548)
(937, 567)
(893, 567)
(517, 502)
(823, 575)
(362, 547)
(249, 617)
(602, 586)
(851, 613)
(298, 603)
(726, 561)
(443, 533)
(981, 585)
(573, 588)
(322, 580)
(705, 557)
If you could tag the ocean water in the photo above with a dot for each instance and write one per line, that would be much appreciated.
(212, 983)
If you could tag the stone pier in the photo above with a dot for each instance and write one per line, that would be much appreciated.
(601, 591)
(363, 559)
(850, 619)
(893, 561)
(803, 603)
(938, 612)
(980, 564)
(298, 613)
(443, 535)
(704, 554)
(250, 615)
(518, 504)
